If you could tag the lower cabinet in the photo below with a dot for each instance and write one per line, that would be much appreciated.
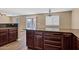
(68, 41)
(34, 40)
(48, 40)
(30, 39)
(3, 37)
(78, 44)
(7, 36)
(38, 41)
(12, 35)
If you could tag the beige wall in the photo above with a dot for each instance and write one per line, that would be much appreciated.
(13, 19)
(65, 20)
(68, 20)
(40, 21)
(75, 18)
(4, 19)
(21, 25)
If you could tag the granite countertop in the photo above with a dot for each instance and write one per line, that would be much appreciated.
(9, 28)
(74, 31)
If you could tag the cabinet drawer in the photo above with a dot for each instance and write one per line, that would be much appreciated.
(1, 34)
(67, 34)
(51, 47)
(3, 30)
(38, 32)
(57, 43)
(53, 38)
(52, 33)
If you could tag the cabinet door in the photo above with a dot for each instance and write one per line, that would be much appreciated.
(12, 35)
(77, 43)
(38, 42)
(30, 39)
(67, 42)
(3, 38)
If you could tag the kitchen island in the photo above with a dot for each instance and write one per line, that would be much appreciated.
(61, 39)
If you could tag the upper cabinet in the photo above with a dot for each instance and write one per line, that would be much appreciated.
(4, 19)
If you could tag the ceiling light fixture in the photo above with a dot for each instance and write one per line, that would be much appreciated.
(2, 14)
(50, 12)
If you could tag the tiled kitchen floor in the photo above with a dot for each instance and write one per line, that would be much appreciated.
(13, 46)
(17, 45)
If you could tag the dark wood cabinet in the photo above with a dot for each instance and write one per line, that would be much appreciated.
(38, 40)
(78, 43)
(67, 41)
(52, 41)
(49, 40)
(75, 42)
(8, 35)
(3, 37)
(12, 35)
(34, 39)
(30, 39)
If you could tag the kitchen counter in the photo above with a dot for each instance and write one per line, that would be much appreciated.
(53, 39)
(74, 31)
(9, 28)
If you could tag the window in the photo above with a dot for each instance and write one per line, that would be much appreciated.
(52, 20)
(31, 22)
(52, 23)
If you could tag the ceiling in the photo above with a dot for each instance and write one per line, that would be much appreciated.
(26, 11)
